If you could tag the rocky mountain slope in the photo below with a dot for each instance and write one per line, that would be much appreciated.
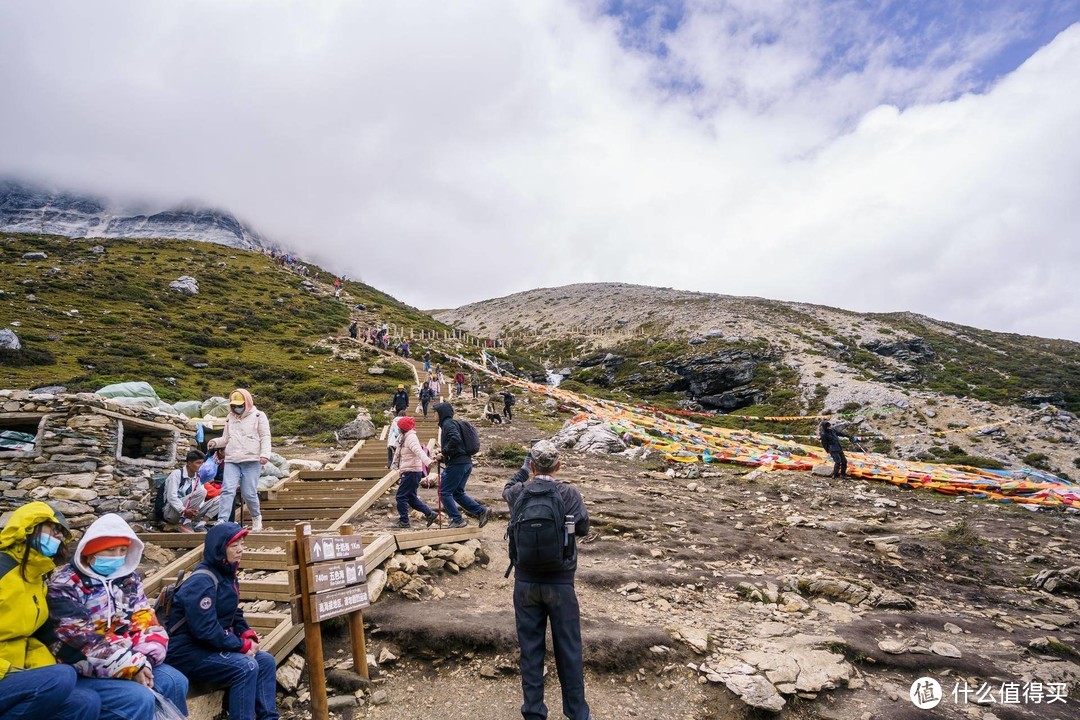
(28, 209)
(913, 382)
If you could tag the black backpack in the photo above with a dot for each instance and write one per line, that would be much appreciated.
(469, 437)
(164, 602)
(159, 496)
(539, 538)
(510, 399)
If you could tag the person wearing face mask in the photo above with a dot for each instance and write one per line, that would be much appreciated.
(246, 440)
(32, 685)
(105, 626)
(210, 636)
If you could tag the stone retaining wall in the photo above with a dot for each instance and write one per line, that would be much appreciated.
(91, 455)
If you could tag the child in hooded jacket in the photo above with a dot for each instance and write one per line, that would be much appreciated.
(105, 626)
(32, 685)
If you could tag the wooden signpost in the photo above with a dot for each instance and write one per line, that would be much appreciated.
(333, 582)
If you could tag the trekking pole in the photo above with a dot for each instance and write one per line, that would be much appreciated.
(439, 491)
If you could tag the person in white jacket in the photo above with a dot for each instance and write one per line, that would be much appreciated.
(413, 461)
(247, 448)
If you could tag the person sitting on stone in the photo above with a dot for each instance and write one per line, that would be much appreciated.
(186, 503)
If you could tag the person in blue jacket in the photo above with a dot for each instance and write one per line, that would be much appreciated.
(209, 638)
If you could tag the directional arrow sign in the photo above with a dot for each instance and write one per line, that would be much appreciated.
(336, 547)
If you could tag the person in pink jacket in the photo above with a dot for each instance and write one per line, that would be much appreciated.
(413, 461)
(247, 448)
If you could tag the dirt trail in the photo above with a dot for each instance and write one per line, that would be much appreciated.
(724, 554)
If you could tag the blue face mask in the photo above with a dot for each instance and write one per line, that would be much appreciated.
(47, 545)
(106, 566)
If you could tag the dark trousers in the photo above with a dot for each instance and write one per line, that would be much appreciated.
(46, 693)
(508, 412)
(389, 456)
(407, 497)
(475, 391)
(534, 605)
(839, 463)
(251, 682)
(452, 492)
(424, 405)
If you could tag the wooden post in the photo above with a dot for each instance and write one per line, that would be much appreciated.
(356, 627)
(313, 647)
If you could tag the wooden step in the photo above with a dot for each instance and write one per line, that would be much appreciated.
(337, 474)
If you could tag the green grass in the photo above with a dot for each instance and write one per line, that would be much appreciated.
(252, 323)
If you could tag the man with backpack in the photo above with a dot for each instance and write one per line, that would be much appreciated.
(458, 442)
(546, 517)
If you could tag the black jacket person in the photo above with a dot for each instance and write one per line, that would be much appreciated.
(401, 400)
(543, 596)
(456, 473)
(830, 441)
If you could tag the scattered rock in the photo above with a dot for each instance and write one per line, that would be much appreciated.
(288, 673)
(755, 691)
(945, 650)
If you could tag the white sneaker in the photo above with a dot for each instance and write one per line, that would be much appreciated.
(256, 524)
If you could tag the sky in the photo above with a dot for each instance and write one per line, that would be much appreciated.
(874, 155)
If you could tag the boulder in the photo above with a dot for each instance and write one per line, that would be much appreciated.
(591, 437)
(361, 428)
(186, 285)
(9, 340)
(35, 256)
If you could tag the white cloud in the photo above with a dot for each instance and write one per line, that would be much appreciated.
(449, 152)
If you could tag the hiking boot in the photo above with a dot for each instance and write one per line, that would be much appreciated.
(401, 524)
(459, 524)
(430, 519)
(256, 524)
(199, 527)
(483, 517)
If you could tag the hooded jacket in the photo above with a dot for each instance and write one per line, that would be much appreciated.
(400, 401)
(246, 438)
(412, 457)
(22, 600)
(214, 621)
(830, 440)
(453, 447)
(105, 626)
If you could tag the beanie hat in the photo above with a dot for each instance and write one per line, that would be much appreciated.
(96, 545)
(406, 424)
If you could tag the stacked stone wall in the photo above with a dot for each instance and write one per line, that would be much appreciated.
(75, 465)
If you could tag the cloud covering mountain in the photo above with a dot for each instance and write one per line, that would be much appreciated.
(846, 153)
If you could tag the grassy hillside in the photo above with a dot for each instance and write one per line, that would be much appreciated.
(89, 319)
